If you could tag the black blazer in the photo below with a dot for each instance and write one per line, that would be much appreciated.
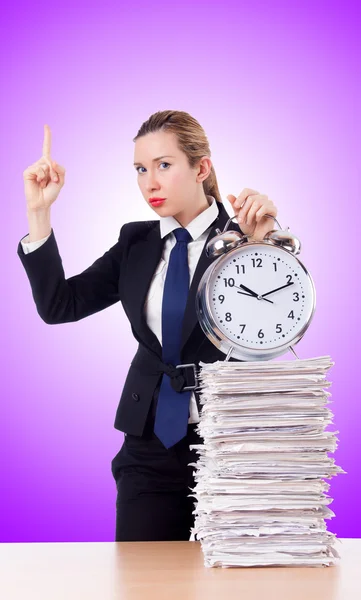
(122, 274)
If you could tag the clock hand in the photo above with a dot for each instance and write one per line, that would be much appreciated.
(251, 293)
(244, 293)
(280, 288)
(247, 294)
(247, 290)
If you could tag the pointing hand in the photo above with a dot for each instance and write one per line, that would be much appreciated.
(43, 179)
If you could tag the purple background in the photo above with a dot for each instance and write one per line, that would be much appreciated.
(276, 86)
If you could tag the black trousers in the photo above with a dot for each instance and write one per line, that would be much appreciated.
(153, 484)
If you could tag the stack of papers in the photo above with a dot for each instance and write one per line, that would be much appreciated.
(260, 495)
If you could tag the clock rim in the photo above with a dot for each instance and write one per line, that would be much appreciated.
(217, 337)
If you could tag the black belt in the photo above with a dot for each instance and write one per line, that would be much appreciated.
(183, 377)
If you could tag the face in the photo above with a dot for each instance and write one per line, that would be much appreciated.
(163, 172)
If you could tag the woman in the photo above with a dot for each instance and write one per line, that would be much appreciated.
(154, 269)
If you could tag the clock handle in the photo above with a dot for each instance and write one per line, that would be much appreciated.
(235, 216)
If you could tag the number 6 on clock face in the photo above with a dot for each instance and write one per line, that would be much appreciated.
(257, 298)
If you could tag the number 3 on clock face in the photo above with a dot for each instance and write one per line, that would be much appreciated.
(258, 299)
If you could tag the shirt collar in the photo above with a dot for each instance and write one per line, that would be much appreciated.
(196, 227)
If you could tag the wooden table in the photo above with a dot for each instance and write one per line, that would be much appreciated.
(172, 570)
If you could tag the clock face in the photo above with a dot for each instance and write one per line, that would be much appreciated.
(275, 304)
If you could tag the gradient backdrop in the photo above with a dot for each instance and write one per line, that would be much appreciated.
(276, 86)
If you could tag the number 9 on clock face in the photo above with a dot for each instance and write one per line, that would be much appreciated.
(257, 298)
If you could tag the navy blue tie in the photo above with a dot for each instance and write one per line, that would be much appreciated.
(171, 419)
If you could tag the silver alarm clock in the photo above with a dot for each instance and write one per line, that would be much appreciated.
(257, 299)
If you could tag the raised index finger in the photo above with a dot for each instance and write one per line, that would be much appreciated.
(47, 142)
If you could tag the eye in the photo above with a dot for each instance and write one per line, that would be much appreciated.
(162, 163)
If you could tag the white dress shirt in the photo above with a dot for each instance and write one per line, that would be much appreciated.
(199, 229)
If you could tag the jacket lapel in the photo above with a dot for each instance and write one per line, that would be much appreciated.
(190, 316)
(146, 255)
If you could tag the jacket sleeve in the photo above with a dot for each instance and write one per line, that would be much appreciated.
(61, 300)
(31, 246)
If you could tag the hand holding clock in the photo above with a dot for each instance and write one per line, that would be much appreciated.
(250, 207)
(250, 330)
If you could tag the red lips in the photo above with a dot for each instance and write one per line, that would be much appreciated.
(156, 201)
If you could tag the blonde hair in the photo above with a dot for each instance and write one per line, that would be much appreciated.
(191, 139)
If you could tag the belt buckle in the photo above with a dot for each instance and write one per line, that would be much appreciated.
(190, 387)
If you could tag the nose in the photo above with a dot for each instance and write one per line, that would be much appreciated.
(152, 183)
